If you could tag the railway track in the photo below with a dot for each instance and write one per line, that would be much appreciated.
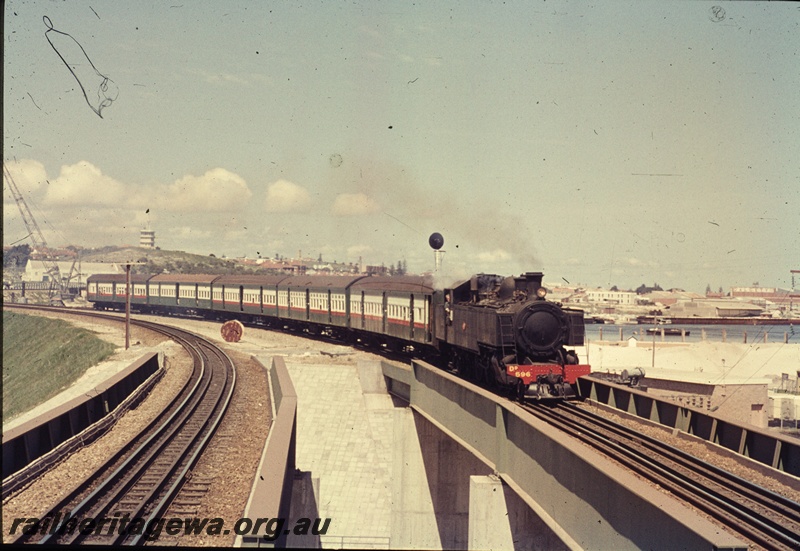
(766, 519)
(141, 480)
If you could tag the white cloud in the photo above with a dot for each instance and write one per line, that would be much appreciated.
(358, 250)
(217, 190)
(354, 204)
(236, 236)
(496, 255)
(219, 78)
(371, 32)
(190, 232)
(10, 212)
(29, 175)
(275, 244)
(633, 261)
(285, 196)
(84, 185)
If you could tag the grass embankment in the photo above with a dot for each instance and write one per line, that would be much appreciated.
(41, 357)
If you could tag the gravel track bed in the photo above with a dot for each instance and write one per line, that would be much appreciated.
(59, 481)
(699, 450)
(229, 463)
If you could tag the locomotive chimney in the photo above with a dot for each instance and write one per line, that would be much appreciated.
(533, 281)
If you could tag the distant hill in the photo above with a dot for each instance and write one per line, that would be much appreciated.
(156, 261)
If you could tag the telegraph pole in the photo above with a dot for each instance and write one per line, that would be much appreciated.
(128, 301)
(127, 306)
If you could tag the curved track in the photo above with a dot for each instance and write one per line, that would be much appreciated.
(141, 479)
(767, 519)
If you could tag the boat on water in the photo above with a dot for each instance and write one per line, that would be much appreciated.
(597, 319)
(667, 331)
(744, 320)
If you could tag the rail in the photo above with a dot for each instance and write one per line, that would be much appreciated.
(774, 451)
(582, 496)
(768, 519)
(143, 476)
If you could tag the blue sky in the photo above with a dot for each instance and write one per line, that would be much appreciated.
(605, 144)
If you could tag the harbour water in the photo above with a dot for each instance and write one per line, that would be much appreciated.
(713, 333)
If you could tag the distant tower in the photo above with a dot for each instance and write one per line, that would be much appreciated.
(147, 238)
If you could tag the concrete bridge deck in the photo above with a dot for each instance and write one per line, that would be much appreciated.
(455, 467)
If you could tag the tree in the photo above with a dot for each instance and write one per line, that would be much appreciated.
(17, 256)
(614, 288)
(708, 289)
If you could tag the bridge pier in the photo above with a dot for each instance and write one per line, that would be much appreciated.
(430, 491)
(500, 519)
(444, 497)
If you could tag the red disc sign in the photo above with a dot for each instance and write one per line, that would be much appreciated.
(232, 331)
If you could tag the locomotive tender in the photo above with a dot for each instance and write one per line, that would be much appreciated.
(500, 332)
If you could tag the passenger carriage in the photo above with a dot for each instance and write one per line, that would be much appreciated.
(178, 292)
(396, 306)
(317, 299)
(251, 295)
(109, 291)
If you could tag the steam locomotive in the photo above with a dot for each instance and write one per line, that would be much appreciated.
(498, 331)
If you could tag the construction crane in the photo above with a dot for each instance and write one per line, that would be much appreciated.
(57, 286)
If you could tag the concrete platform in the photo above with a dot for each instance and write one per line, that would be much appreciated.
(344, 440)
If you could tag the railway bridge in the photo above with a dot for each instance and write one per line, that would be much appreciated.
(464, 470)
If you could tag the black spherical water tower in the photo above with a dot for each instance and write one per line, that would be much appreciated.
(436, 241)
